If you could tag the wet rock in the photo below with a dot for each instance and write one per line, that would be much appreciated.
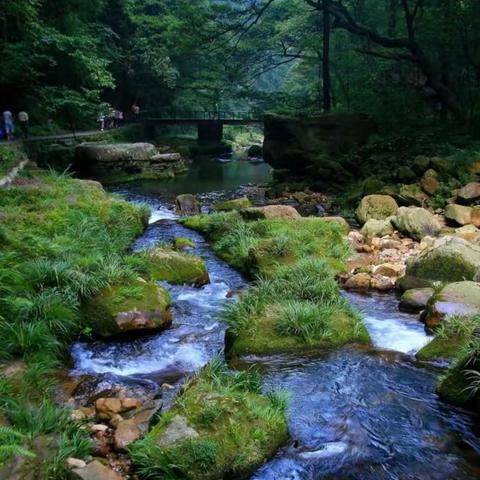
(448, 260)
(416, 222)
(458, 214)
(235, 204)
(377, 228)
(178, 430)
(359, 281)
(430, 183)
(108, 385)
(136, 306)
(460, 298)
(187, 204)
(378, 207)
(177, 268)
(469, 193)
(95, 471)
(415, 300)
(271, 212)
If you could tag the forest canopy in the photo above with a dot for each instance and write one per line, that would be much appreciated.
(397, 59)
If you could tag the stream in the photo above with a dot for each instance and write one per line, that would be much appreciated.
(354, 412)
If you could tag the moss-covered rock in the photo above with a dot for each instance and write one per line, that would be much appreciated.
(448, 260)
(416, 222)
(412, 195)
(378, 207)
(220, 427)
(453, 387)
(235, 204)
(182, 243)
(131, 307)
(270, 212)
(416, 299)
(176, 267)
(377, 228)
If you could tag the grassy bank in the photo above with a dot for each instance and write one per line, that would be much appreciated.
(295, 303)
(220, 427)
(61, 241)
(457, 340)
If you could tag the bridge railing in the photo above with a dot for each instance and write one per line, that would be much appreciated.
(199, 115)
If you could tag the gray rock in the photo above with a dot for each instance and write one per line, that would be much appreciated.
(458, 214)
(187, 204)
(377, 228)
(416, 299)
(176, 431)
(95, 471)
(469, 193)
(416, 222)
(460, 298)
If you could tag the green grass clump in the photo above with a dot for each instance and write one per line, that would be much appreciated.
(10, 156)
(237, 429)
(461, 382)
(61, 242)
(295, 303)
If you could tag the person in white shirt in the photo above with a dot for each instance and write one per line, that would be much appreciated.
(8, 122)
(23, 119)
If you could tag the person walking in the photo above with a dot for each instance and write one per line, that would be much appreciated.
(8, 122)
(135, 112)
(23, 119)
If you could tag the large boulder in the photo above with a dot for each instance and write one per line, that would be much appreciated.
(378, 207)
(271, 212)
(177, 267)
(458, 214)
(235, 204)
(469, 193)
(95, 471)
(377, 228)
(116, 152)
(456, 299)
(114, 162)
(131, 307)
(416, 222)
(412, 195)
(416, 299)
(448, 260)
(187, 204)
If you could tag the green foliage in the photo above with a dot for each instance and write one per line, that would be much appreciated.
(238, 429)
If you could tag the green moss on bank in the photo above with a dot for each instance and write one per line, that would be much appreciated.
(228, 429)
(61, 241)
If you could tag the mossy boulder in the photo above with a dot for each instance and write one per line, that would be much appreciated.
(343, 225)
(235, 204)
(220, 427)
(448, 260)
(416, 222)
(182, 243)
(176, 267)
(453, 387)
(456, 299)
(377, 228)
(469, 193)
(412, 195)
(378, 207)
(430, 183)
(136, 306)
(416, 299)
(444, 347)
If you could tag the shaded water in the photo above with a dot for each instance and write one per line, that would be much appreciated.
(355, 413)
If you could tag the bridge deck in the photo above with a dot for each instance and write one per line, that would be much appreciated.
(193, 121)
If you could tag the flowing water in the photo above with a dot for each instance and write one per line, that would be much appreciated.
(354, 413)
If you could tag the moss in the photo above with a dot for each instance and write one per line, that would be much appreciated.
(233, 430)
(181, 243)
(263, 337)
(235, 204)
(100, 313)
(453, 387)
(177, 268)
(443, 348)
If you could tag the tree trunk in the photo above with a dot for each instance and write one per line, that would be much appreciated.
(327, 85)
